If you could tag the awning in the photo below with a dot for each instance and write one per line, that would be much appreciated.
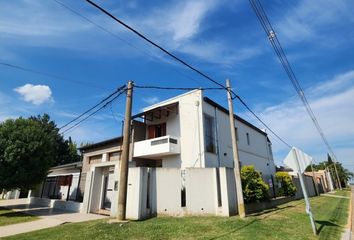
(158, 112)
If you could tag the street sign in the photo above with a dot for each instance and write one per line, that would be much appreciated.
(298, 161)
(303, 159)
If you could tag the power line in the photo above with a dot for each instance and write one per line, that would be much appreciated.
(268, 28)
(119, 90)
(49, 75)
(93, 113)
(176, 88)
(157, 46)
(97, 25)
(255, 115)
(180, 61)
(116, 36)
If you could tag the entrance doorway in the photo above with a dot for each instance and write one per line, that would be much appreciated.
(108, 185)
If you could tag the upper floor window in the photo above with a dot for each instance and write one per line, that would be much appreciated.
(209, 133)
(95, 159)
(157, 130)
(248, 138)
(236, 133)
(114, 156)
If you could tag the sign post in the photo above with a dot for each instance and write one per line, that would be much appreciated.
(298, 161)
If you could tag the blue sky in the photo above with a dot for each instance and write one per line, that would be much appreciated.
(223, 38)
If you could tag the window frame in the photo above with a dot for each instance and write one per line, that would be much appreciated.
(209, 134)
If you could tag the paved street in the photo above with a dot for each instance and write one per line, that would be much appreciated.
(48, 217)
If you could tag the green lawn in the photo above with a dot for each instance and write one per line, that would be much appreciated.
(288, 222)
(8, 217)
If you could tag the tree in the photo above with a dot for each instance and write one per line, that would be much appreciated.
(66, 151)
(287, 186)
(254, 188)
(28, 148)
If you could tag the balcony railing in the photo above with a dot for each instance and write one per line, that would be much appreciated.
(157, 147)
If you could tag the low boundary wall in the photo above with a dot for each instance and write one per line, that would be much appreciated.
(260, 206)
(54, 203)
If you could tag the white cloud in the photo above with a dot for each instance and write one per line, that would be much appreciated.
(184, 23)
(333, 105)
(36, 94)
(307, 19)
(340, 82)
(44, 21)
(219, 52)
(175, 23)
(190, 15)
(151, 100)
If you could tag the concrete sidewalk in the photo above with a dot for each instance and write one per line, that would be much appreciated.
(48, 217)
(351, 220)
(348, 232)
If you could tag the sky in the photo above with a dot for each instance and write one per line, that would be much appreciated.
(223, 38)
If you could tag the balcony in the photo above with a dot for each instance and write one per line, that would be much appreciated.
(156, 147)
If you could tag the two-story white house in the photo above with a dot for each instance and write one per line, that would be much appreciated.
(188, 131)
(192, 131)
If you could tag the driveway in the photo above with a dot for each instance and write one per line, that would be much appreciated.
(49, 217)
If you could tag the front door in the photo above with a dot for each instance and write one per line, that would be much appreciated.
(108, 185)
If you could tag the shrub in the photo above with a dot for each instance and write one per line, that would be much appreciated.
(254, 188)
(287, 186)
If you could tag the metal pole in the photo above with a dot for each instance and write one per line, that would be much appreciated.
(123, 176)
(241, 205)
(308, 207)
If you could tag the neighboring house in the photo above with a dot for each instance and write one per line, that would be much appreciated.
(320, 181)
(60, 189)
(323, 180)
(174, 137)
(62, 182)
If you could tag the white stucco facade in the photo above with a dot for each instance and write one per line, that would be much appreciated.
(180, 162)
(187, 125)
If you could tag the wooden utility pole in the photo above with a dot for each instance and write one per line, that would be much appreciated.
(240, 203)
(335, 169)
(123, 176)
(314, 180)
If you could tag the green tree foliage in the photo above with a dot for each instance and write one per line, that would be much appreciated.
(28, 148)
(287, 186)
(66, 151)
(254, 188)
